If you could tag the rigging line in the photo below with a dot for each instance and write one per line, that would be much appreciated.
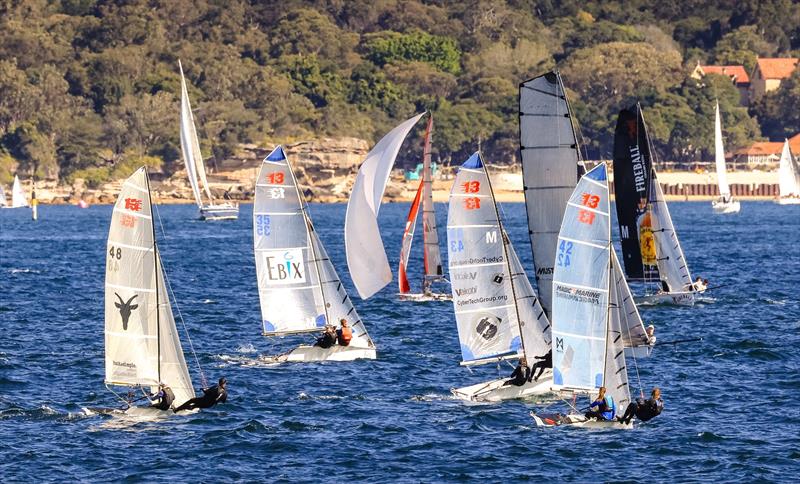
(203, 379)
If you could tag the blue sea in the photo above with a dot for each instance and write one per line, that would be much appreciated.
(731, 399)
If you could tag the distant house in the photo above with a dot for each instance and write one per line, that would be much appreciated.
(766, 152)
(769, 73)
(737, 74)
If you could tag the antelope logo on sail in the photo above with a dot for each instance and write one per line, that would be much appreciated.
(285, 266)
(125, 309)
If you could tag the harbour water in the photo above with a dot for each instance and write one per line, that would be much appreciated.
(730, 399)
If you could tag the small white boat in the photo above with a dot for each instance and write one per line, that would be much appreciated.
(725, 203)
(788, 178)
(424, 297)
(577, 420)
(498, 314)
(298, 287)
(678, 298)
(207, 207)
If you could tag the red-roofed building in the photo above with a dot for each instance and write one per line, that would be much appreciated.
(737, 74)
(766, 152)
(769, 73)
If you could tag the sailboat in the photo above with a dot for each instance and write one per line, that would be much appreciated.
(650, 247)
(142, 346)
(366, 255)
(551, 167)
(432, 257)
(725, 203)
(587, 341)
(195, 168)
(298, 287)
(498, 313)
(788, 178)
(18, 198)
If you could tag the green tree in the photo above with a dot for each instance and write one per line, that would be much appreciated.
(778, 110)
(441, 52)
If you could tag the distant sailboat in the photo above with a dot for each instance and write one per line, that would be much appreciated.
(3, 201)
(195, 168)
(298, 287)
(432, 257)
(650, 247)
(587, 341)
(498, 313)
(18, 198)
(142, 346)
(725, 203)
(366, 255)
(788, 178)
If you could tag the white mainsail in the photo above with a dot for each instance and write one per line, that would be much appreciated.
(551, 164)
(190, 147)
(298, 287)
(719, 156)
(788, 174)
(430, 232)
(497, 312)
(366, 256)
(141, 340)
(672, 266)
(18, 198)
(581, 286)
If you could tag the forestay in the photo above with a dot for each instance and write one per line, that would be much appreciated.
(190, 146)
(18, 198)
(490, 306)
(551, 164)
(672, 267)
(141, 340)
(719, 156)
(581, 286)
(788, 174)
(366, 256)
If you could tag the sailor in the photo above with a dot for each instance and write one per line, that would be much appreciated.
(520, 375)
(699, 285)
(644, 410)
(211, 396)
(344, 335)
(606, 409)
(651, 334)
(546, 362)
(164, 397)
(328, 338)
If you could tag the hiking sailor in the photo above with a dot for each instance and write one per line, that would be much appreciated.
(520, 375)
(164, 397)
(546, 361)
(211, 396)
(643, 409)
(606, 409)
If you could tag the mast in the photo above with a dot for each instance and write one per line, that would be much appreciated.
(156, 270)
(505, 255)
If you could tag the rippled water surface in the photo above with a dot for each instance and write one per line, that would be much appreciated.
(731, 411)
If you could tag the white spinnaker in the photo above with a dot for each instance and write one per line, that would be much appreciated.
(719, 156)
(788, 175)
(672, 266)
(623, 308)
(366, 256)
(581, 286)
(18, 198)
(430, 231)
(3, 202)
(482, 295)
(616, 374)
(190, 146)
(288, 280)
(141, 343)
(551, 164)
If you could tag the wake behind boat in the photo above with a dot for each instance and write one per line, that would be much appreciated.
(498, 313)
(298, 287)
(196, 169)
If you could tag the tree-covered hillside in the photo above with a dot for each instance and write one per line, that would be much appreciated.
(90, 88)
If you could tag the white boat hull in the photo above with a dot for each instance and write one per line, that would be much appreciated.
(721, 207)
(684, 298)
(419, 297)
(226, 211)
(574, 420)
(308, 353)
(495, 391)
(788, 201)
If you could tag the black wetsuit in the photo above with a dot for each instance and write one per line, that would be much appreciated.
(326, 340)
(166, 397)
(546, 362)
(519, 377)
(644, 410)
(211, 396)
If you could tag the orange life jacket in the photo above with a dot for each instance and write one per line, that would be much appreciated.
(345, 335)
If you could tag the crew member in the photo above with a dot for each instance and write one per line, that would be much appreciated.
(651, 334)
(211, 396)
(546, 362)
(606, 409)
(520, 375)
(644, 410)
(344, 335)
(328, 338)
(164, 397)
